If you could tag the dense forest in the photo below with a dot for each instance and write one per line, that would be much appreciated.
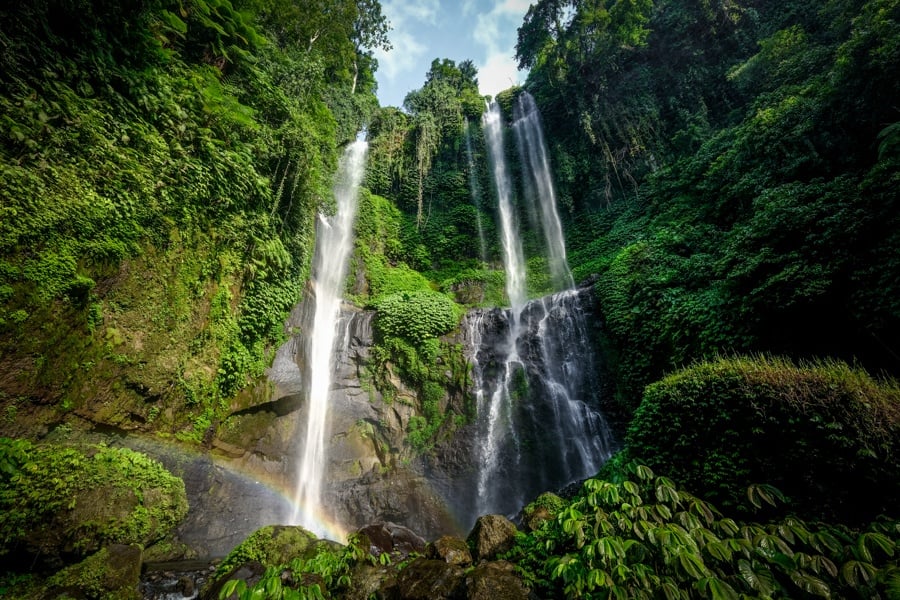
(727, 176)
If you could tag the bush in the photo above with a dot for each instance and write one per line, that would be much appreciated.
(826, 434)
(415, 316)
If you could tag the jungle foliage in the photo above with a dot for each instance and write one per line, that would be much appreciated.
(161, 164)
(825, 434)
(730, 172)
(643, 537)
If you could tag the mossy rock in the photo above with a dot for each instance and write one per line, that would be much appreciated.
(113, 573)
(62, 503)
(271, 546)
(544, 508)
(491, 536)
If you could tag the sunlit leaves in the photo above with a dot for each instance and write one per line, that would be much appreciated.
(601, 543)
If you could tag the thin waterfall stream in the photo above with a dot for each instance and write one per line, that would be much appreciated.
(538, 185)
(334, 243)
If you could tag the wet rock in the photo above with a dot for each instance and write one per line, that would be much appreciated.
(250, 572)
(426, 579)
(492, 535)
(495, 581)
(451, 550)
(368, 581)
(390, 538)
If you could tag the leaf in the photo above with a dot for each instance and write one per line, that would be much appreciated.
(692, 564)
(717, 589)
(235, 586)
(643, 472)
(631, 488)
(855, 572)
(764, 493)
(871, 539)
(757, 576)
(810, 584)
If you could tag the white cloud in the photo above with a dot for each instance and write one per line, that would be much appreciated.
(495, 30)
(498, 73)
(403, 16)
(515, 7)
(406, 10)
(401, 58)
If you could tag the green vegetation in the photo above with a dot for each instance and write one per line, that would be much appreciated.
(730, 172)
(55, 499)
(297, 566)
(162, 164)
(641, 537)
(826, 435)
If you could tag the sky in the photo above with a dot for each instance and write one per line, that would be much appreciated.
(483, 31)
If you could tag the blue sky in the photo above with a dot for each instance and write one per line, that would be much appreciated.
(483, 31)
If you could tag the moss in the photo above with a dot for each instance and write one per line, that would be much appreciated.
(272, 545)
(59, 500)
(544, 508)
(111, 574)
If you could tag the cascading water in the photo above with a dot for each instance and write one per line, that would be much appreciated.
(538, 185)
(533, 365)
(334, 242)
(476, 192)
(513, 257)
(496, 427)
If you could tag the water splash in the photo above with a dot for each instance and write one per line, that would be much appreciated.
(334, 242)
(538, 186)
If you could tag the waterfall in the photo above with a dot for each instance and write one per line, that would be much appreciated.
(538, 185)
(533, 364)
(513, 257)
(334, 242)
(475, 191)
(496, 426)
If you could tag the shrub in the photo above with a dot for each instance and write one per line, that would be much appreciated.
(416, 316)
(826, 434)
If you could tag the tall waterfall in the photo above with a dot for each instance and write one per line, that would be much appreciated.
(334, 242)
(475, 190)
(533, 365)
(496, 424)
(513, 257)
(538, 185)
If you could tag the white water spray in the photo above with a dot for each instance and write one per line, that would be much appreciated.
(334, 242)
(539, 185)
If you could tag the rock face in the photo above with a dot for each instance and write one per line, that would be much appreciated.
(451, 550)
(492, 535)
(372, 474)
(495, 581)
(426, 579)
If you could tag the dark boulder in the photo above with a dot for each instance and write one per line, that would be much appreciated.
(492, 535)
